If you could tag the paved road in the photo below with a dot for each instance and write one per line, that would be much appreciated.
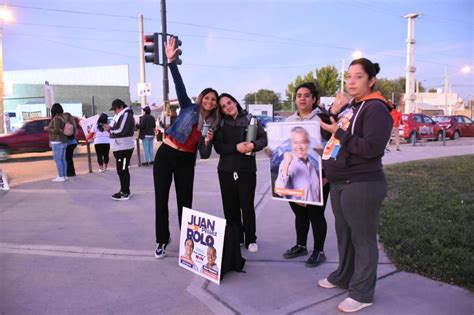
(67, 248)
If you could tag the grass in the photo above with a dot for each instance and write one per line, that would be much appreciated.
(427, 221)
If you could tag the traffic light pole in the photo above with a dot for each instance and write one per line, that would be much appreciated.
(142, 57)
(165, 59)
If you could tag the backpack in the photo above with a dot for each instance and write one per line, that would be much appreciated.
(232, 259)
(68, 129)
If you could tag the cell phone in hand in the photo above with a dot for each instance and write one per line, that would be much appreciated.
(324, 116)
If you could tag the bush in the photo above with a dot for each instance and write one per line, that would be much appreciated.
(427, 220)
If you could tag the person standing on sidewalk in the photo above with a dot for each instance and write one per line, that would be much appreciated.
(237, 168)
(146, 133)
(397, 121)
(71, 145)
(176, 157)
(101, 141)
(352, 160)
(122, 145)
(307, 109)
(58, 141)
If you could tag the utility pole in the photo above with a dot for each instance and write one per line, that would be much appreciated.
(165, 64)
(342, 75)
(446, 112)
(142, 57)
(410, 68)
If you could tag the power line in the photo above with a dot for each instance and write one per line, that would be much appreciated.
(72, 11)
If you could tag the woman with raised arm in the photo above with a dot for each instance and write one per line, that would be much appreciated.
(192, 130)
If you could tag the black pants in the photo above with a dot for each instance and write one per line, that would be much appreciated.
(236, 195)
(123, 161)
(71, 171)
(171, 163)
(102, 152)
(356, 210)
(311, 214)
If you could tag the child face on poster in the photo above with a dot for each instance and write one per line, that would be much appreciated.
(188, 248)
(211, 256)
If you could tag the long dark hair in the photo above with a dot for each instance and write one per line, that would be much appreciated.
(56, 109)
(372, 69)
(239, 108)
(312, 89)
(214, 116)
(103, 120)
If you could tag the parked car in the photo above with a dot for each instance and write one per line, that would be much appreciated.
(31, 137)
(456, 126)
(419, 126)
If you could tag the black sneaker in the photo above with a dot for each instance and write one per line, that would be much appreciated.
(160, 251)
(295, 251)
(315, 259)
(121, 196)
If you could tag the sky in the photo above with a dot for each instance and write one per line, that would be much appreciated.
(240, 46)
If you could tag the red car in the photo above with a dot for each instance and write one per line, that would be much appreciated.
(456, 126)
(31, 137)
(419, 126)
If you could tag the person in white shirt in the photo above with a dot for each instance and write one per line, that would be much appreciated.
(101, 141)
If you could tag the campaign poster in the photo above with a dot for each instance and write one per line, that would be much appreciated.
(201, 244)
(87, 123)
(295, 165)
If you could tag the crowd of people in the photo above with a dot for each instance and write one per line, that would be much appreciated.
(354, 136)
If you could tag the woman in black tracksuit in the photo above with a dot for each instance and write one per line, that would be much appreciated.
(237, 168)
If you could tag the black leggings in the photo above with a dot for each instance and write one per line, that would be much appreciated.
(236, 195)
(71, 171)
(171, 163)
(123, 161)
(311, 214)
(102, 152)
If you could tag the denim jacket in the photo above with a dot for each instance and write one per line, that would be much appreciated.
(188, 115)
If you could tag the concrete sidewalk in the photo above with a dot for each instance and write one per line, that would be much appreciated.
(68, 248)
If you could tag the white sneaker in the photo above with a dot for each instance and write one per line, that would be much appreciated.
(59, 179)
(324, 283)
(66, 178)
(101, 170)
(350, 305)
(253, 247)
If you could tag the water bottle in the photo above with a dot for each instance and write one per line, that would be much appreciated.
(205, 129)
(251, 133)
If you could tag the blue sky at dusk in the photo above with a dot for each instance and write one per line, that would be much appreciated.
(242, 46)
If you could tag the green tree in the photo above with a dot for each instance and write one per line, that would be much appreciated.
(325, 78)
(264, 96)
(395, 86)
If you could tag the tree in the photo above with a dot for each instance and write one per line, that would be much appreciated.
(263, 96)
(326, 79)
(432, 91)
(395, 86)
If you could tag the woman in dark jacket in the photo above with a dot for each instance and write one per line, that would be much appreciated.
(192, 131)
(237, 168)
(352, 160)
(71, 146)
(146, 133)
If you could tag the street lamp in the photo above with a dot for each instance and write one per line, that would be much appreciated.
(5, 16)
(357, 54)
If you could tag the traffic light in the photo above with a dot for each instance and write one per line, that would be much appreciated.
(152, 46)
(177, 44)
